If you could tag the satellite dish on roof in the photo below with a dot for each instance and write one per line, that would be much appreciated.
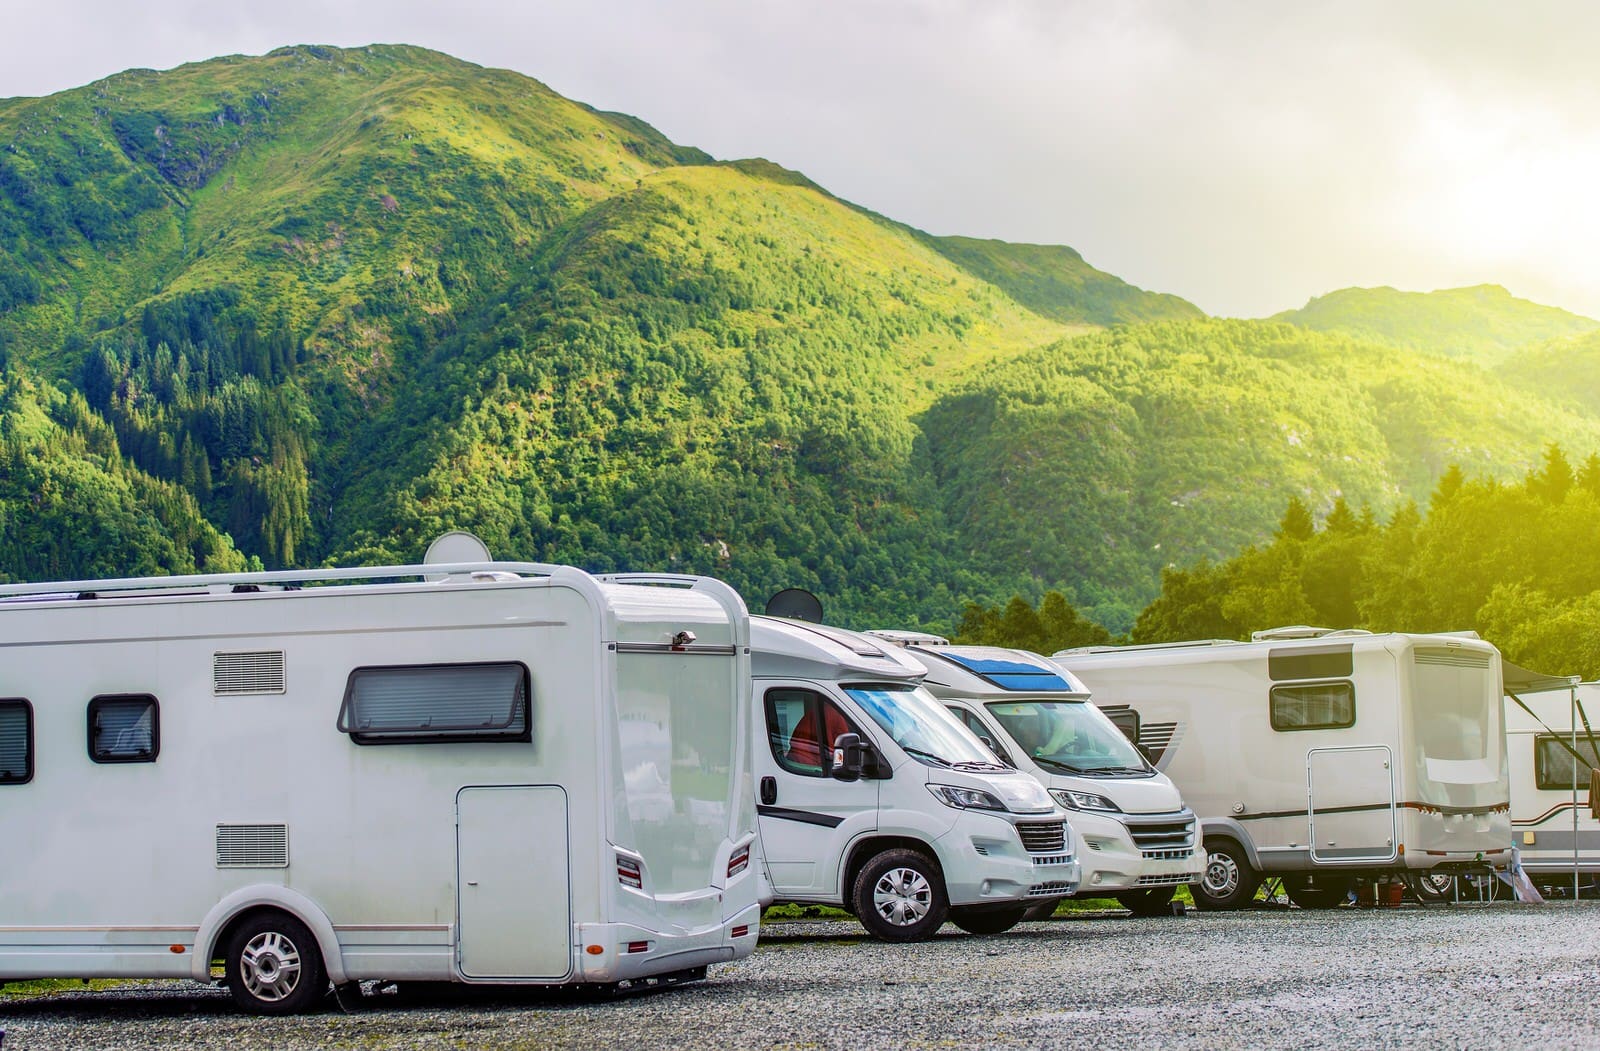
(795, 604)
(455, 547)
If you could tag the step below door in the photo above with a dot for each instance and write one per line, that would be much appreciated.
(1351, 816)
(512, 882)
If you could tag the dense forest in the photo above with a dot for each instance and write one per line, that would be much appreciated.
(322, 305)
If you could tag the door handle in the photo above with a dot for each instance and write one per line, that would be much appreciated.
(769, 791)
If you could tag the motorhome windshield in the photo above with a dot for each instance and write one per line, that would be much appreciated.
(922, 727)
(1069, 737)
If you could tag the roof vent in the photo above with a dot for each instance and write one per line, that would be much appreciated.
(1293, 631)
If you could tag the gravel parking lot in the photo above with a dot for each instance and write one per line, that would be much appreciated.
(1461, 977)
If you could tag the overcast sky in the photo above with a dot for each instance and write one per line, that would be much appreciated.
(1245, 155)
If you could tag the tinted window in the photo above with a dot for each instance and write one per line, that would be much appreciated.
(124, 729)
(1321, 706)
(801, 728)
(437, 703)
(1554, 767)
(16, 742)
(1310, 662)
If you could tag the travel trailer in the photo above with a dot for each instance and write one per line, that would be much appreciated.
(1322, 757)
(1138, 839)
(1553, 739)
(484, 772)
(875, 798)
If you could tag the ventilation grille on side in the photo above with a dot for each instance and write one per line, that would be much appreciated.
(252, 846)
(236, 674)
(1452, 658)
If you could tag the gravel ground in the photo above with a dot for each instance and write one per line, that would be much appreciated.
(1460, 977)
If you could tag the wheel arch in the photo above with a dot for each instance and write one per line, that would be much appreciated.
(226, 915)
(870, 846)
(1234, 830)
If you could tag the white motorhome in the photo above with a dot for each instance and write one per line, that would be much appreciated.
(475, 772)
(873, 797)
(1138, 839)
(1322, 757)
(1553, 738)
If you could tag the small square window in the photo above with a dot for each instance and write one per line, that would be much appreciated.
(16, 742)
(124, 728)
(437, 703)
(1319, 706)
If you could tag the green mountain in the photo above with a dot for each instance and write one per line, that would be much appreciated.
(1483, 324)
(1566, 371)
(324, 304)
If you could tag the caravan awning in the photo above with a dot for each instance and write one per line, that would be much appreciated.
(1521, 680)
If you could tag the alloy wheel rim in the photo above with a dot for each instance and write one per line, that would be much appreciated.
(1222, 875)
(270, 966)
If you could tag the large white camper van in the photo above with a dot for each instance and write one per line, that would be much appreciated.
(875, 798)
(472, 772)
(1320, 757)
(1139, 841)
(1553, 737)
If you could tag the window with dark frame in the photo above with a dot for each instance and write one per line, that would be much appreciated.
(1313, 706)
(1556, 769)
(437, 704)
(124, 728)
(801, 728)
(982, 732)
(16, 741)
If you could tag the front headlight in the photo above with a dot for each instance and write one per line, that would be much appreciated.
(1083, 800)
(965, 798)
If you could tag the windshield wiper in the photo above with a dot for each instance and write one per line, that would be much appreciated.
(1056, 763)
(941, 760)
(979, 764)
(1123, 770)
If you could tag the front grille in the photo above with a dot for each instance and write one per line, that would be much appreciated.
(1174, 880)
(1168, 855)
(1051, 859)
(1043, 837)
(1171, 834)
(1053, 889)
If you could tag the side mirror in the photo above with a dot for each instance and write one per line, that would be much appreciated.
(849, 757)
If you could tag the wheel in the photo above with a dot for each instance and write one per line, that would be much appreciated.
(274, 966)
(1152, 901)
(1228, 881)
(1430, 888)
(1310, 891)
(987, 921)
(899, 896)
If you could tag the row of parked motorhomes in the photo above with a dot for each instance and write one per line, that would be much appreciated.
(495, 772)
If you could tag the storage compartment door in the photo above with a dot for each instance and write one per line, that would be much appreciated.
(1352, 816)
(511, 883)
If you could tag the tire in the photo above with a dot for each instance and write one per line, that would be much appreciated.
(1310, 891)
(1432, 888)
(1228, 881)
(274, 966)
(987, 921)
(899, 896)
(1152, 901)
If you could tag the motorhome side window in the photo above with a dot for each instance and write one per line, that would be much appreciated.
(981, 732)
(437, 703)
(801, 727)
(1313, 706)
(124, 728)
(16, 741)
(1556, 768)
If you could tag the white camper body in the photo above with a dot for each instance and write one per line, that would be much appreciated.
(917, 822)
(1556, 833)
(1322, 757)
(495, 772)
(1138, 838)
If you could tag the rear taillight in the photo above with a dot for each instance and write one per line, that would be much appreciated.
(740, 931)
(629, 874)
(634, 947)
(740, 861)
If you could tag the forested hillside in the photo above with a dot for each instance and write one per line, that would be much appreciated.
(324, 304)
(1483, 324)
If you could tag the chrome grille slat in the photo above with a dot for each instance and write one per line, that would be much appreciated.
(1043, 837)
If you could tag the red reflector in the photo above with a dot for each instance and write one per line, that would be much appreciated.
(638, 947)
(740, 931)
(739, 862)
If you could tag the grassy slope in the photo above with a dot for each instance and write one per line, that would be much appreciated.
(1484, 323)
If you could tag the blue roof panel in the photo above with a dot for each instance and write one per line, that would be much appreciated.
(1013, 674)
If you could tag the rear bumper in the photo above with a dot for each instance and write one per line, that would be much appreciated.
(603, 951)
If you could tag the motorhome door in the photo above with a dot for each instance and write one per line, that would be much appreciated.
(512, 881)
(806, 814)
(1351, 814)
